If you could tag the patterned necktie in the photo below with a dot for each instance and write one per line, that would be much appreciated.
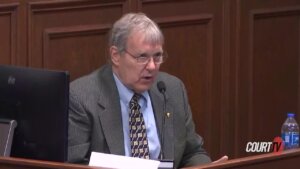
(137, 128)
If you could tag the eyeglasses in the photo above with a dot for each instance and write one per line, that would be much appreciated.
(158, 58)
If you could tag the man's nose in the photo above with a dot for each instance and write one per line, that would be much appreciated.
(151, 64)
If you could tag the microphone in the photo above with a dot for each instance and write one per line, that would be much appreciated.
(164, 163)
(162, 89)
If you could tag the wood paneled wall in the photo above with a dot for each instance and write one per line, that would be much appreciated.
(239, 59)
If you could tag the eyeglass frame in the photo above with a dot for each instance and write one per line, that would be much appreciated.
(163, 55)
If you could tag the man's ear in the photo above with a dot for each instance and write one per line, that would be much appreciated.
(115, 55)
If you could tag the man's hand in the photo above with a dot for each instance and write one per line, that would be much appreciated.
(221, 160)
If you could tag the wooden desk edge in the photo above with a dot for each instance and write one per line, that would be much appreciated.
(42, 164)
(250, 160)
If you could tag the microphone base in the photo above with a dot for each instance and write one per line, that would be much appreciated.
(166, 164)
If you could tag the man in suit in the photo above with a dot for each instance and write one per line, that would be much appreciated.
(101, 104)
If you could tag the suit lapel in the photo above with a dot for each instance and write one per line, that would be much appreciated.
(167, 139)
(157, 104)
(110, 116)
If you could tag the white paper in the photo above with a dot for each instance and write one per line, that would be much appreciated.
(121, 162)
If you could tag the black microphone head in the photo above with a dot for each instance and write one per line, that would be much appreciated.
(161, 86)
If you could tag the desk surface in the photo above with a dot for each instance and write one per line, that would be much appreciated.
(287, 159)
(20, 163)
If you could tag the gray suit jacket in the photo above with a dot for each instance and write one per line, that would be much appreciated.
(95, 121)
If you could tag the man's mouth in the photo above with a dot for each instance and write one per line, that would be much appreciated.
(147, 78)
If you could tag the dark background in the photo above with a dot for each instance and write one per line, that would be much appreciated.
(239, 59)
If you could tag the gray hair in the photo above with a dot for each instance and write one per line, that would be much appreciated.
(134, 22)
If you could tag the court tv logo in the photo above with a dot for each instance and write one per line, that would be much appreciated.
(276, 146)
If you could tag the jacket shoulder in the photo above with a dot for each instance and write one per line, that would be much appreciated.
(168, 79)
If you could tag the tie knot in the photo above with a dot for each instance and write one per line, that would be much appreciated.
(134, 101)
(135, 97)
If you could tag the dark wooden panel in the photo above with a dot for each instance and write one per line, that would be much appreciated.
(227, 123)
(268, 69)
(275, 69)
(73, 15)
(8, 33)
(79, 49)
(193, 33)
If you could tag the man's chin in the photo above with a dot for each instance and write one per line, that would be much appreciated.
(143, 88)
